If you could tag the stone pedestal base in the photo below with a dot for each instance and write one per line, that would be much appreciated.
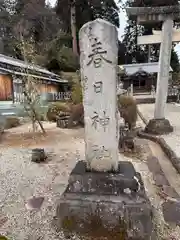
(103, 205)
(38, 155)
(159, 127)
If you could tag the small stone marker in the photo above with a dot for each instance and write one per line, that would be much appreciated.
(34, 203)
(38, 155)
(99, 48)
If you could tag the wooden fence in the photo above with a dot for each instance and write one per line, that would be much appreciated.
(63, 96)
(49, 97)
(173, 92)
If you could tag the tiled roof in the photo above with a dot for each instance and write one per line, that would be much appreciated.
(13, 65)
(152, 67)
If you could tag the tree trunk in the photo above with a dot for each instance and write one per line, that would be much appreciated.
(73, 27)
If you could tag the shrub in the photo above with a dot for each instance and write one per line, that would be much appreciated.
(76, 115)
(77, 93)
(2, 123)
(42, 113)
(68, 61)
(11, 122)
(128, 110)
(3, 237)
(55, 109)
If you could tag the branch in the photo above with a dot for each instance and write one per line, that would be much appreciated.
(29, 99)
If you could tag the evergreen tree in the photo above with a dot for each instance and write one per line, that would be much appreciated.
(74, 13)
(6, 23)
(175, 61)
(87, 11)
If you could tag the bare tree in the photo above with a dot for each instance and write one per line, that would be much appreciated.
(30, 92)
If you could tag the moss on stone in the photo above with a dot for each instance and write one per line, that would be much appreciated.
(97, 229)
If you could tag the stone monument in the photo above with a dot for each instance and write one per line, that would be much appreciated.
(104, 197)
(99, 73)
(165, 14)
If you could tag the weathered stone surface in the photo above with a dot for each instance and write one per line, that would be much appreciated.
(154, 14)
(38, 155)
(171, 192)
(160, 178)
(98, 58)
(109, 205)
(153, 165)
(136, 11)
(82, 180)
(156, 38)
(165, 147)
(171, 211)
(34, 203)
(159, 127)
(164, 63)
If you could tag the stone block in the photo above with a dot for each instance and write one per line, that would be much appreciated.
(171, 212)
(159, 127)
(62, 121)
(38, 155)
(105, 205)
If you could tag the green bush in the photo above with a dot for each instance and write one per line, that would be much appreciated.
(12, 122)
(42, 113)
(77, 115)
(77, 96)
(67, 60)
(55, 109)
(3, 237)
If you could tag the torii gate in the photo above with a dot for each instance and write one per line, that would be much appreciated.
(167, 15)
(157, 37)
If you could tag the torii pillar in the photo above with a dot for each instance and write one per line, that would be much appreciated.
(166, 14)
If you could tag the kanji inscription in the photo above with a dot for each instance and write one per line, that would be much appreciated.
(98, 87)
(101, 152)
(98, 54)
(98, 58)
(102, 121)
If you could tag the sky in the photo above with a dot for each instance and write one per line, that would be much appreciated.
(122, 16)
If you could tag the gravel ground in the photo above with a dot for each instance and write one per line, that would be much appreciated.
(21, 180)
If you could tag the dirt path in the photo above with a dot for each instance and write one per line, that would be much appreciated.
(23, 137)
